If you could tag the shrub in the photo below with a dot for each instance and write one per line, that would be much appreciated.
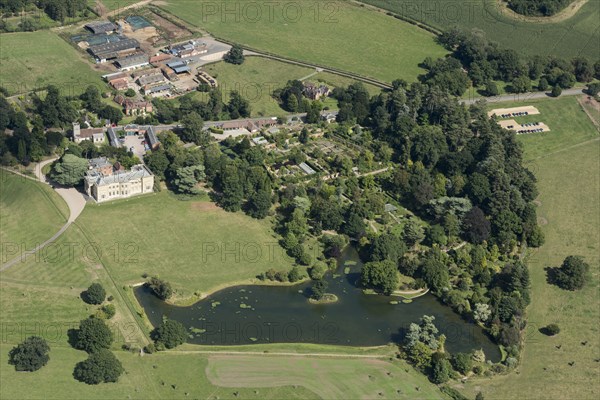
(30, 355)
(109, 310)
(161, 289)
(281, 276)
(317, 271)
(296, 274)
(150, 348)
(556, 91)
(100, 367)
(462, 362)
(170, 334)
(95, 294)
(551, 330)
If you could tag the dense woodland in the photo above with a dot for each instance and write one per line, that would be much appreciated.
(537, 8)
(477, 62)
(32, 13)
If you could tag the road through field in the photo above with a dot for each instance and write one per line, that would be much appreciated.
(75, 201)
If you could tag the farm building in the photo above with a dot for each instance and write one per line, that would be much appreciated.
(112, 137)
(104, 182)
(159, 58)
(148, 80)
(113, 50)
(101, 27)
(179, 67)
(95, 135)
(119, 84)
(188, 49)
(153, 141)
(157, 89)
(132, 61)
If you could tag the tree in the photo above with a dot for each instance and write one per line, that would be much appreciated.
(413, 233)
(571, 275)
(158, 163)
(162, 289)
(556, 91)
(296, 274)
(593, 89)
(319, 288)
(100, 367)
(186, 179)
(382, 275)
(70, 170)
(232, 189)
(543, 85)
(30, 355)
(521, 84)
(476, 227)
(259, 203)
(420, 355)
(193, 130)
(317, 272)
(93, 335)
(462, 362)
(434, 271)
(440, 371)
(387, 246)
(235, 55)
(491, 88)
(130, 93)
(95, 294)
(110, 113)
(238, 107)
(170, 333)
(354, 226)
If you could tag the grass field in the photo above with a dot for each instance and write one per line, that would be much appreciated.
(34, 60)
(194, 245)
(576, 36)
(569, 212)
(328, 378)
(335, 33)
(568, 122)
(30, 213)
(258, 77)
(157, 376)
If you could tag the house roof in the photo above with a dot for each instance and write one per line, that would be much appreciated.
(135, 173)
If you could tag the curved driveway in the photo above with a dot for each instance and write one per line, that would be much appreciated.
(75, 201)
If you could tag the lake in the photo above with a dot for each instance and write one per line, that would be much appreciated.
(282, 314)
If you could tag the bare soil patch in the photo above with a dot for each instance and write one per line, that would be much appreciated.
(530, 110)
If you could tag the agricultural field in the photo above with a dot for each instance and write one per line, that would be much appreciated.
(335, 34)
(575, 36)
(33, 60)
(569, 214)
(30, 212)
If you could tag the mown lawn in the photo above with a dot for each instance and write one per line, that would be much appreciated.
(34, 60)
(576, 36)
(30, 213)
(156, 376)
(569, 212)
(335, 33)
(568, 123)
(193, 244)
